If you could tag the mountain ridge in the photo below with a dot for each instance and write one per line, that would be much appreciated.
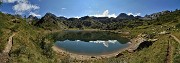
(49, 21)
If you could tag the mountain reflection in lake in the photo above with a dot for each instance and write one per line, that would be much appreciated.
(89, 42)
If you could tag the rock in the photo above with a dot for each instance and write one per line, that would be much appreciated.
(155, 15)
(93, 57)
(15, 20)
(130, 50)
(164, 32)
(144, 44)
(136, 42)
(129, 42)
(152, 40)
(126, 33)
(142, 35)
(120, 54)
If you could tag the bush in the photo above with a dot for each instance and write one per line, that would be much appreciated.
(178, 26)
(15, 28)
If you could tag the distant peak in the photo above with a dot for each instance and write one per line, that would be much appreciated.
(50, 14)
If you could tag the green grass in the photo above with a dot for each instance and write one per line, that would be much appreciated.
(176, 49)
(26, 43)
(27, 46)
(153, 54)
(31, 44)
(4, 30)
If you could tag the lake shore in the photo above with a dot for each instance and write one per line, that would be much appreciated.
(85, 57)
(130, 48)
(132, 45)
(114, 31)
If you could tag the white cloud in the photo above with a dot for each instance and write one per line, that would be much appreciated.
(63, 8)
(129, 13)
(23, 6)
(105, 14)
(136, 14)
(12, 1)
(34, 14)
(112, 15)
(77, 17)
(105, 43)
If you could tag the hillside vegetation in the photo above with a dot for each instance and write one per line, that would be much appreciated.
(31, 43)
(28, 43)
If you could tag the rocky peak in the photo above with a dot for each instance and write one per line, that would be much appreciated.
(73, 19)
(84, 18)
(165, 12)
(50, 21)
(31, 17)
(62, 18)
(124, 16)
(155, 15)
(49, 16)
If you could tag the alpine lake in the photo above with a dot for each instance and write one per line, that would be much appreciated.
(89, 42)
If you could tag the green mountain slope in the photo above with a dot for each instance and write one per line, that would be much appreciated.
(30, 44)
(27, 43)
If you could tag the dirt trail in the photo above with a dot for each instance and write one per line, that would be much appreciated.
(175, 38)
(169, 53)
(170, 49)
(4, 56)
(9, 44)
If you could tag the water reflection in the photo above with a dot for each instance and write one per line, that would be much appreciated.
(89, 42)
(98, 47)
(105, 43)
(87, 36)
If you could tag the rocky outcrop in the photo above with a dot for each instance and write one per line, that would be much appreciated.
(135, 43)
(155, 15)
(140, 42)
(164, 32)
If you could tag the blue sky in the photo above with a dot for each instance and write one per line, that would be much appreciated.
(78, 8)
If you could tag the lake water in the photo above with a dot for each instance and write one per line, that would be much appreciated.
(90, 42)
